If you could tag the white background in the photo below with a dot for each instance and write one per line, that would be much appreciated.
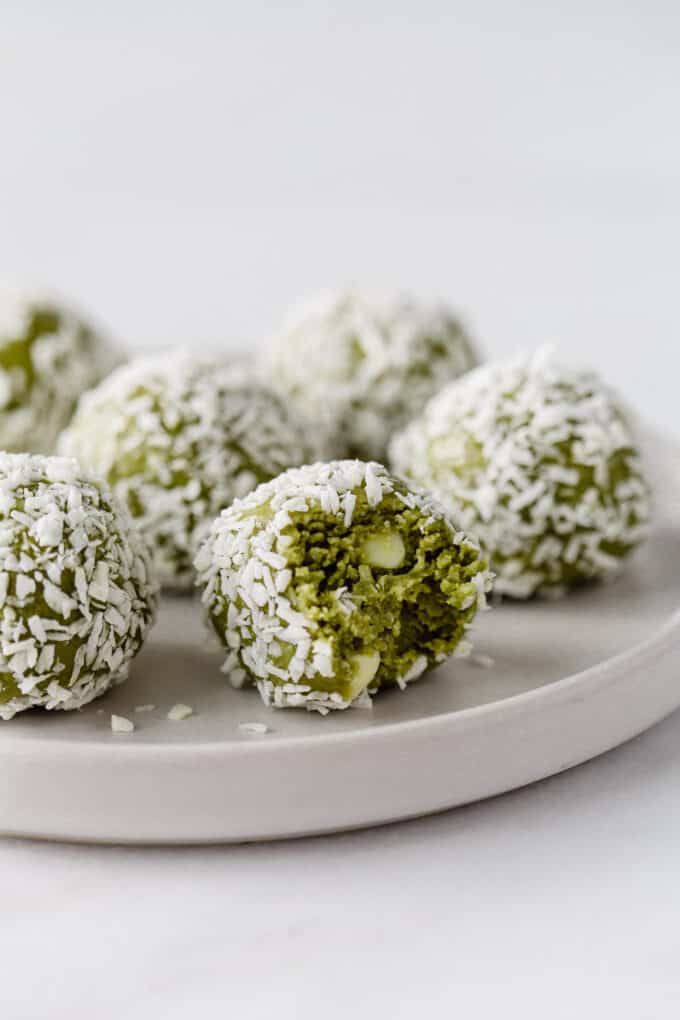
(185, 171)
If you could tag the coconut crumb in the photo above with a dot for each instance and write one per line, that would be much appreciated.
(482, 661)
(253, 727)
(179, 712)
(119, 724)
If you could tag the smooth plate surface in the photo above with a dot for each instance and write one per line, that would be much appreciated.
(570, 679)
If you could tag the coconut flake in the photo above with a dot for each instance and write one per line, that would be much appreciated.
(119, 724)
(179, 712)
(257, 728)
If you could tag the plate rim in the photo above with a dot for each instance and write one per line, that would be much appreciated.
(123, 791)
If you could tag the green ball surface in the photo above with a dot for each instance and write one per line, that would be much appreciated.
(540, 462)
(76, 595)
(178, 439)
(49, 355)
(363, 367)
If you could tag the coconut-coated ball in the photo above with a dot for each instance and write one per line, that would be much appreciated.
(49, 355)
(362, 367)
(539, 460)
(335, 580)
(76, 592)
(179, 438)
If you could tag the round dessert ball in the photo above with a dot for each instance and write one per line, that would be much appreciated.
(334, 580)
(362, 368)
(539, 460)
(49, 355)
(178, 439)
(76, 595)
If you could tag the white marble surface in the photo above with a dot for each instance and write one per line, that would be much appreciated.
(185, 175)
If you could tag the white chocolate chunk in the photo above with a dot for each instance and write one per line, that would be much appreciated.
(385, 550)
(365, 666)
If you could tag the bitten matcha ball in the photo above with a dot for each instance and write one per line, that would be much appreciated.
(76, 595)
(362, 368)
(178, 439)
(48, 357)
(540, 462)
(334, 580)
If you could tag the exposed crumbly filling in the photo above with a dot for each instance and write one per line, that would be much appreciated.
(335, 579)
(365, 367)
(541, 465)
(48, 357)
(178, 439)
(76, 597)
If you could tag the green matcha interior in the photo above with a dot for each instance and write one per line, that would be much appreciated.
(384, 592)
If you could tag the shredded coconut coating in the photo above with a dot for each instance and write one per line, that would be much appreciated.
(48, 357)
(178, 439)
(540, 462)
(254, 581)
(76, 594)
(362, 368)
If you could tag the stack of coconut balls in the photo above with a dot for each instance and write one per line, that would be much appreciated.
(344, 504)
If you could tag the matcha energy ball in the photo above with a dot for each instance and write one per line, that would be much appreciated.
(334, 580)
(539, 460)
(48, 356)
(76, 598)
(178, 439)
(362, 368)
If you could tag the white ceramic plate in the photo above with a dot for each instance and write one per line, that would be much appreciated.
(570, 680)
